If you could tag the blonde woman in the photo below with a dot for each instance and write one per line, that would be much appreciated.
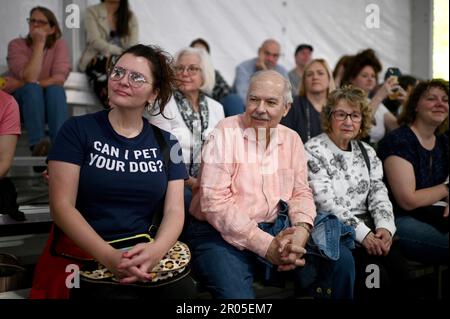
(304, 116)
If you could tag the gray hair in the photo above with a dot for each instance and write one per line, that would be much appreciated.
(287, 89)
(208, 72)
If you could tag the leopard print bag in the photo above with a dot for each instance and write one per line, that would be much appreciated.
(171, 268)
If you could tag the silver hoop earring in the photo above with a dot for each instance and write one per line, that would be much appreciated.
(149, 106)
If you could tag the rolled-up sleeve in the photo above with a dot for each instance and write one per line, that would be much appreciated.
(301, 205)
(218, 204)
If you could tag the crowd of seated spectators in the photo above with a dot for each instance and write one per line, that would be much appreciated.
(369, 156)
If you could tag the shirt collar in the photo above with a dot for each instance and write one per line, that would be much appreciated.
(250, 135)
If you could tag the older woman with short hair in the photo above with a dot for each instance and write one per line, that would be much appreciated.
(304, 115)
(346, 177)
(191, 115)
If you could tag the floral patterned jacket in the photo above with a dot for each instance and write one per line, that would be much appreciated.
(342, 185)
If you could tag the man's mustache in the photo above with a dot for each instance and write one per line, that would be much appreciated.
(260, 118)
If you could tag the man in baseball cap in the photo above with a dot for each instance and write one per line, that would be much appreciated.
(303, 54)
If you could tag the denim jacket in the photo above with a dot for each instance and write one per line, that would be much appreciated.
(325, 237)
(281, 222)
(328, 232)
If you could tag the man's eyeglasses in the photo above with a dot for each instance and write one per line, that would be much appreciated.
(38, 22)
(342, 116)
(274, 55)
(191, 69)
(135, 79)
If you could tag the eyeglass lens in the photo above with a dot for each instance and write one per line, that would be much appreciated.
(37, 21)
(191, 69)
(135, 79)
(342, 116)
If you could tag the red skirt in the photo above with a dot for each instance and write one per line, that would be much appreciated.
(49, 281)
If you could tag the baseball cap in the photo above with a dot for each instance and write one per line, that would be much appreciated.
(304, 46)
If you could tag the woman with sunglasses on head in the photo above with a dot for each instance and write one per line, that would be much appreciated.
(106, 183)
(191, 115)
(38, 67)
(347, 181)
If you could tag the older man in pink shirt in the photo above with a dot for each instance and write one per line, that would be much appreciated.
(249, 164)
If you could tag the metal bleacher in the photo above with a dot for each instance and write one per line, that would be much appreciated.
(26, 240)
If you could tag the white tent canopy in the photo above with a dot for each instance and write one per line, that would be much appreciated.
(399, 31)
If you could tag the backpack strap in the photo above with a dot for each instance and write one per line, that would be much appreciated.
(364, 154)
(164, 149)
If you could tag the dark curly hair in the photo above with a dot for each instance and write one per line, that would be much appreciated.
(409, 113)
(353, 96)
(358, 62)
(161, 66)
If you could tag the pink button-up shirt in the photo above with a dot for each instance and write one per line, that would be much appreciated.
(242, 183)
(56, 61)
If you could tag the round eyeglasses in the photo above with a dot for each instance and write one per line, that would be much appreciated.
(135, 79)
(191, 69)
(342, 116)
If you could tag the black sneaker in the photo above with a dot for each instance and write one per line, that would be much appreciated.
(41, 149)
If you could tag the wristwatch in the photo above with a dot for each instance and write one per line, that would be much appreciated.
(304, 225)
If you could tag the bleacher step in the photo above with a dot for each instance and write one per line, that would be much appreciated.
(29, 161)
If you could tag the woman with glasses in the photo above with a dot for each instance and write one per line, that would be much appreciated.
(191, 115)
(111, 27)
(346, 177)
(107, 178)
(38, 67)
(304, 115)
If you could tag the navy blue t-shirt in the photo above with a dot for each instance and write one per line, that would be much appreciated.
(430, 166)
(122, 180)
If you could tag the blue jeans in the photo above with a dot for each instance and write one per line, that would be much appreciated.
(38, 104)
(232, 105)
(229, 273)
(421, 242)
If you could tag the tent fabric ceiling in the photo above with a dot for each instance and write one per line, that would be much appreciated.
(236, 28)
